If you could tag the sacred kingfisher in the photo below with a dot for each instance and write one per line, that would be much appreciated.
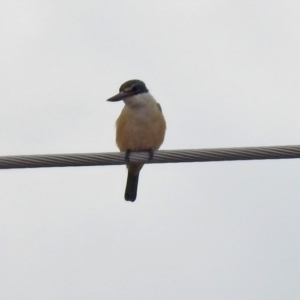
(140, 127)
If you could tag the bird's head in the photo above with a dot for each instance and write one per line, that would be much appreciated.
(129, 89)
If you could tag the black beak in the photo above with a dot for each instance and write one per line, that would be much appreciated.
(118, 97)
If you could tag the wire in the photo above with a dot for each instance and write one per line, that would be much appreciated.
(162, 156)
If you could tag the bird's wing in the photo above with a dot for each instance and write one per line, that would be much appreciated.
(159, 107)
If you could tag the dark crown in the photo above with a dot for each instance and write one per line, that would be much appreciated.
(134, 87)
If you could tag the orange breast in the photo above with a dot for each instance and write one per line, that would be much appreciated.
(140, 130)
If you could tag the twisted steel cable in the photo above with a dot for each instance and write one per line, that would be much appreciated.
(162, 156)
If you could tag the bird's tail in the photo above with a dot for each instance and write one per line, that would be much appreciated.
(131, 186)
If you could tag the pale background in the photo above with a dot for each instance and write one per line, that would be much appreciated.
(226, 73)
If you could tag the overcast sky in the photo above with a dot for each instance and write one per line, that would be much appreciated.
(226, 73)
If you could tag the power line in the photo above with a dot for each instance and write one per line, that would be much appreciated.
(162, 156)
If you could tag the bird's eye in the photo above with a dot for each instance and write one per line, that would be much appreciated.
(134, 88)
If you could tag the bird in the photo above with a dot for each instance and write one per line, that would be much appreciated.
(141, 126)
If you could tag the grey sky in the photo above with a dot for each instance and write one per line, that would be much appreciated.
(226, 74)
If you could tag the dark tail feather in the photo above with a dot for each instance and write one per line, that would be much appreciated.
(131, 186)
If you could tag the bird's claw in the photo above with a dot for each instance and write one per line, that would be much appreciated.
(151, 153)
(127, 155)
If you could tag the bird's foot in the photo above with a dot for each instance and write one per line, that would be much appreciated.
(151, 153)
(127, 155)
